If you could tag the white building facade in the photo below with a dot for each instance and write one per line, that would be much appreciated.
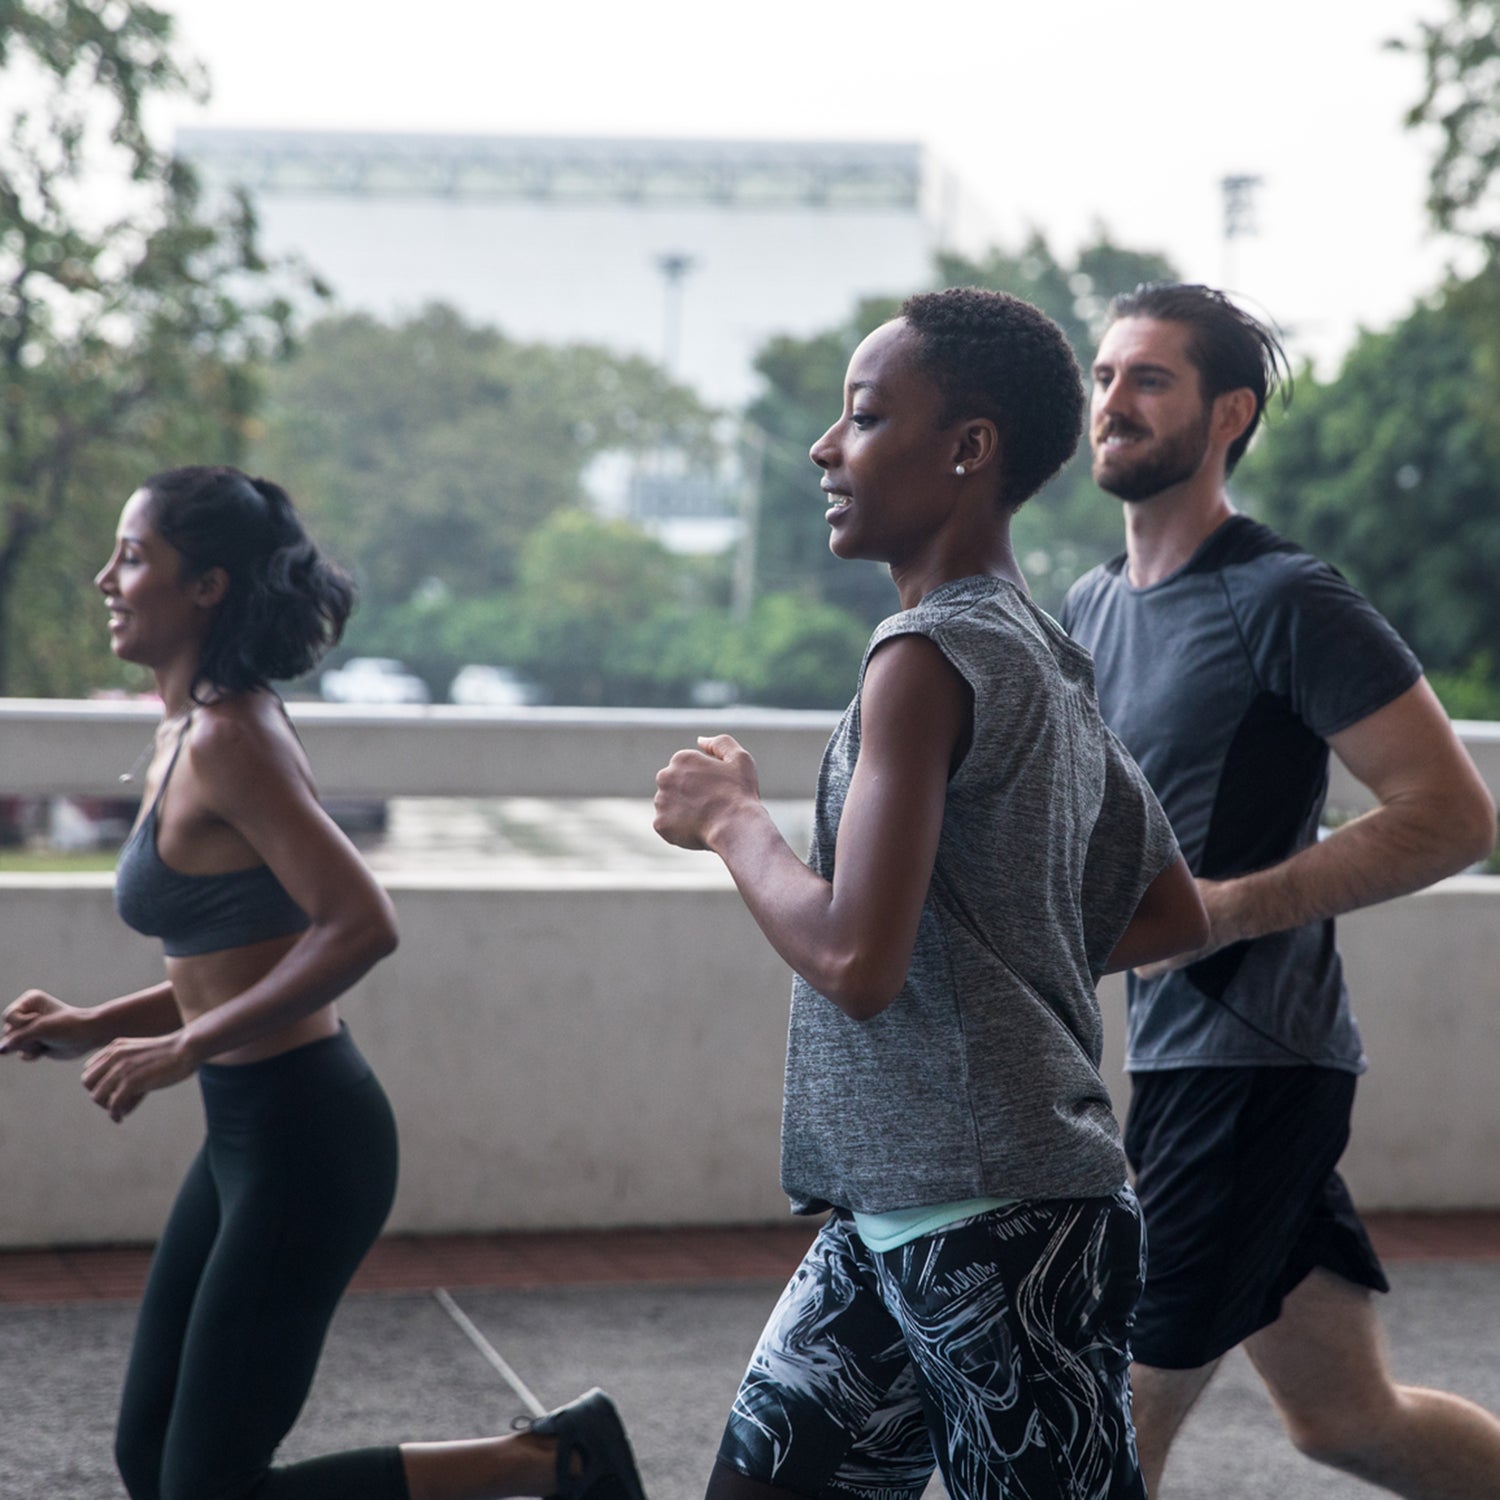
(692, 253)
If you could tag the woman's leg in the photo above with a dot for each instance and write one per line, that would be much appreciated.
(578, 1452)
(303, 1150)
(304, 1188)
(725, 1483)
(156, 1353)
(829, 1405)
(1017, 1324)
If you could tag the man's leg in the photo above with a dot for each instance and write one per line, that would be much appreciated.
(1324, 1362)
(1160, 1401)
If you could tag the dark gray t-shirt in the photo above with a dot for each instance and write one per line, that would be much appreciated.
(982, 1077)
(1225, 680)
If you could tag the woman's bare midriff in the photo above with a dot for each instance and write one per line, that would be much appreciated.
(206, 981)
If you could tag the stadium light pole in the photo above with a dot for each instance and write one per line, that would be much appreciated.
(674, 266)
(1239, 191)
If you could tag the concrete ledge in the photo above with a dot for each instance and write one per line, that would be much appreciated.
(64, 747)
(597, 1054)
(580, 1049)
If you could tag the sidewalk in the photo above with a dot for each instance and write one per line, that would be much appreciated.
(524, 1261)
(665, 1321)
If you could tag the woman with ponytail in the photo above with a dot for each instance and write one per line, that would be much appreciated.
(267, 915)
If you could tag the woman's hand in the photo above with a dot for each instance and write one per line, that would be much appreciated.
(699, 789)
(121, 1074)
(850, 937)
(40, 1025)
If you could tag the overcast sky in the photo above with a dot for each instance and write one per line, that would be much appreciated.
(1056, 113)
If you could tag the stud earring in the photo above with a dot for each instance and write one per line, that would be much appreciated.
(959, 470)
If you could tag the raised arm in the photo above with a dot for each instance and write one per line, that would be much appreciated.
(850, 938)
(1434, 818)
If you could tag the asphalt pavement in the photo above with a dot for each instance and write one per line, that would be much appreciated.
(397, 1367)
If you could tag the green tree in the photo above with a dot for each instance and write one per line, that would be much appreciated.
(1461, 104)
(431, 449)
(1473, 693)
(1461, 101)
(803, 394)
(796, 653)
(1389, 472)
(129, 339)
(602, 613)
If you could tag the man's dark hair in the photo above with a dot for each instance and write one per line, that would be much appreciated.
(1230, 349)
(993, 355)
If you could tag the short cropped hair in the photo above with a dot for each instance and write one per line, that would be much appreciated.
(993, 355)
(1230, 349)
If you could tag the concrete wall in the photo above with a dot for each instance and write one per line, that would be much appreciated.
(584, 1055)
(585, 1051)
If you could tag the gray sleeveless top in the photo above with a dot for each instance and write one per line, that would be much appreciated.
(982, 1078)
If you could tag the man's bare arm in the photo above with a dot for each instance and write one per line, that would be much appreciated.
(1435, 817)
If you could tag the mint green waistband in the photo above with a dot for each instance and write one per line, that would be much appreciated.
(901, 1226)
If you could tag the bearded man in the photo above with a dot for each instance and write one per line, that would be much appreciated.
(1230, 662)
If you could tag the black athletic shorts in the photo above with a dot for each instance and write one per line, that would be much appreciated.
(1234, 1168)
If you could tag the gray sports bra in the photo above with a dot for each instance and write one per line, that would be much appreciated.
(194, 914)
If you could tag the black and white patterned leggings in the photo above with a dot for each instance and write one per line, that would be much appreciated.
(995, 1349)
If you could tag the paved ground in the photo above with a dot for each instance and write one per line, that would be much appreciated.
(397, 1367)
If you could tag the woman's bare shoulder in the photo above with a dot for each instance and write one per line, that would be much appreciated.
(243, 733)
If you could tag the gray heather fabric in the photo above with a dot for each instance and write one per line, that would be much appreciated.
(982, 1077)
(1225, 680)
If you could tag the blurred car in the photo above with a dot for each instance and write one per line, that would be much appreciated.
(481, 686)
(373, 679)
(78, 823)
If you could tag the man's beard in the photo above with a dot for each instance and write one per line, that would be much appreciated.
(1170, 462)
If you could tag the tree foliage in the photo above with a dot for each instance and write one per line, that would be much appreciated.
(1389, 472)
(129, 338)
(431, 449)
(1461, 100)
(803, 394)
(449, 465)
(796, 653)
(602, 614)
(599, 613)
(599, 616)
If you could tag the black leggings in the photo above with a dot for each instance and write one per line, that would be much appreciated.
(292, 1185)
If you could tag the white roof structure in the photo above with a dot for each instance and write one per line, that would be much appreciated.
(690, 252)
